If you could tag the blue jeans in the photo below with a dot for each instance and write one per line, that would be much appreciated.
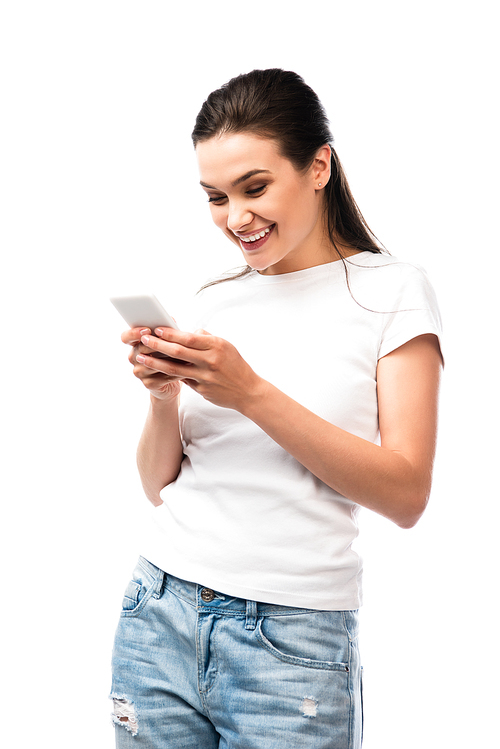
(196, 669)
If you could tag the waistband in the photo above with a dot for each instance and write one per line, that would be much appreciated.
(208, 600)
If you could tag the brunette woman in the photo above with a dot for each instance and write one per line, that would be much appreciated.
(308, 391)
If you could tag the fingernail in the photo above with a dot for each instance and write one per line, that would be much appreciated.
(159, 331)
(145, 339)
(144, 331)
(141, 359)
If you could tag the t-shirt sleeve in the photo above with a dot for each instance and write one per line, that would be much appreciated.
(414, 311)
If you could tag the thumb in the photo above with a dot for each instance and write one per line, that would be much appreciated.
(200, 331)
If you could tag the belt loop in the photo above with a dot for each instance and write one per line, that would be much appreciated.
(158, 584)
(251, 620)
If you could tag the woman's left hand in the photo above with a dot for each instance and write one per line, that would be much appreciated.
(210, 365)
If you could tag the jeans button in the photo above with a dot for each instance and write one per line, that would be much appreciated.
(207, 595)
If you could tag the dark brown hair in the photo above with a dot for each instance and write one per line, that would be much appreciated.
(278, 104)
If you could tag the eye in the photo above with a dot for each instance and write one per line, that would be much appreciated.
(220, 199)
(256, 190)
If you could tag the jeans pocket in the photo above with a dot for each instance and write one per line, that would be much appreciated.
(146, 581)
(299, 641)
(132, 596)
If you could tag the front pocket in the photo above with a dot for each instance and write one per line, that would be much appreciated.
(295, 659)
(140, 589)
(131, 596)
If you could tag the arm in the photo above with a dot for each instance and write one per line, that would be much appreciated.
(159, 454)
(392, 478)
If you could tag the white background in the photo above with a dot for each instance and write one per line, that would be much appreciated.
(99, 195)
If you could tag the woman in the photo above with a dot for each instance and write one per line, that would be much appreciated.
(313, 394)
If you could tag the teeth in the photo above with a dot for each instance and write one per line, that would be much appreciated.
(254, 237)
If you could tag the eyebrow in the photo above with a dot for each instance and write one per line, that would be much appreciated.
(238, 181)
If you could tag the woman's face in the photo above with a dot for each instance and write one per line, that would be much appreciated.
(263, 204)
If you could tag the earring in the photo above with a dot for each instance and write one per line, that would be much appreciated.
(319, 184)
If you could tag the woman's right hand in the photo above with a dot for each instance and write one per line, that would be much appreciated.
(161, 386)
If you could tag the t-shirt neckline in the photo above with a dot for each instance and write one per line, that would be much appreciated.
(315, 270)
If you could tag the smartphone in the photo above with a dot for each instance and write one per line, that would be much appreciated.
(143, 311)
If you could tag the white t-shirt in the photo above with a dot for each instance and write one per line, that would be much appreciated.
(244, 517)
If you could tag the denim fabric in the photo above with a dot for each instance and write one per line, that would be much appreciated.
(196, 669)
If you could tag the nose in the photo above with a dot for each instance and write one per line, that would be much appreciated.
(238, 216)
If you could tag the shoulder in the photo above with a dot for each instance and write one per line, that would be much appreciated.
(403, 292)
(387, 267)
(389, 284)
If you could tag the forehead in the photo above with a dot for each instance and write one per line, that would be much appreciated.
(226, 158)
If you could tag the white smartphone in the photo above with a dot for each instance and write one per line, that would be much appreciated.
(143, 311)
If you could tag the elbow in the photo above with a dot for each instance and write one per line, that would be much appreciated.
(408, 522)
(152, 492)
(412, 498)
(153, 496)
(156, 501)
(411, 511)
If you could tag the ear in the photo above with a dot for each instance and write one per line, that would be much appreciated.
(321, 167)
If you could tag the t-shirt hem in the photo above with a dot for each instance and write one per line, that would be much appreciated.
(348, 602)
(391, 344)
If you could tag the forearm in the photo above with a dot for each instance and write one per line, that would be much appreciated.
(159, 454)
(393, 478)
(380, 479)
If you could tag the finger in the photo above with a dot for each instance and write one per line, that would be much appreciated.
(138, 349)
(133, 335)
(198, 341)
(151, 374)
(156, 380)
(169, 350)
(181, 346)
(175, 369)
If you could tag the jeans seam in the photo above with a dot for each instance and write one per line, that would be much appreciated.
(212, 649)
(352, 638)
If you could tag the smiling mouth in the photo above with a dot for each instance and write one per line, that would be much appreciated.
(255, 241)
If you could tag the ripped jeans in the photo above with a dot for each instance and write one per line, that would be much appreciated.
(196, 669)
